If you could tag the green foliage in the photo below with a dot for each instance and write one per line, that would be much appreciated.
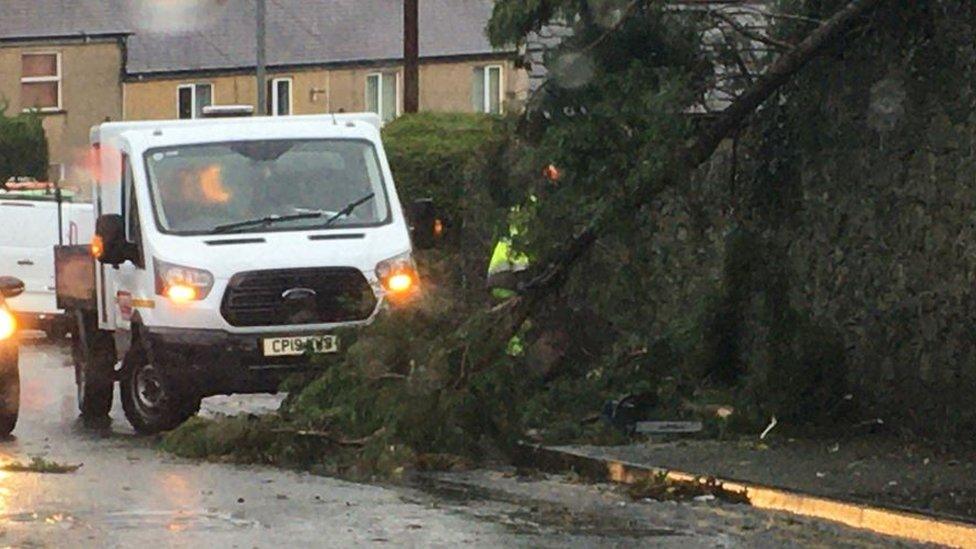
(512, 20)
(246, 438)
(430, 154)
(201, 438)
(458, 160)
(23, 146)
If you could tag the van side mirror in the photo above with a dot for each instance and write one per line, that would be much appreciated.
(110, 246)
(10, 286)
(426, 227)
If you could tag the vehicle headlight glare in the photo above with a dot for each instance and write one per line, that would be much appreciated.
(398, 275)
(182, 284)
(8, 324)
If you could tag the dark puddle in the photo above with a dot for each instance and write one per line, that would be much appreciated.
(533, 516)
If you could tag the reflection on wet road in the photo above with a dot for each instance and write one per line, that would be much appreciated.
(128, 494)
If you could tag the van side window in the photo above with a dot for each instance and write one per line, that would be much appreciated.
(130, 208)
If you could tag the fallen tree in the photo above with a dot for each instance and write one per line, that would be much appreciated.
(685, 158)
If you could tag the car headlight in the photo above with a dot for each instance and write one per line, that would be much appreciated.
(182, 284)
(8, 324)
(398, 275)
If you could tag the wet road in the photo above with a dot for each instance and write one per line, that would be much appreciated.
(128, 494)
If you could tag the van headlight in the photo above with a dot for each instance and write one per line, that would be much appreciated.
(182, 284)
(398, 275)
(8, 324)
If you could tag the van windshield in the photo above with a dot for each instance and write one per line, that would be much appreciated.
(198, 188)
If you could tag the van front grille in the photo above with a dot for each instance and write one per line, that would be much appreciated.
(298, 297)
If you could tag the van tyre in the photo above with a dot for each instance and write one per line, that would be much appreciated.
(152, 401)
(9, 389)
(93, 351)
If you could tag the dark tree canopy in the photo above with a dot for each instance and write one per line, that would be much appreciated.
(23, 146)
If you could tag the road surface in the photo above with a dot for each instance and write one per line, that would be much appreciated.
(128, 494)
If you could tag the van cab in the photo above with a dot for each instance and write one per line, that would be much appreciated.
(230, 254)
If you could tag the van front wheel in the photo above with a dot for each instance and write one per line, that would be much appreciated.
(152, 402)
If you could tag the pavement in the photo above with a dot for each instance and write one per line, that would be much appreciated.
(872, 469)
(128, 494)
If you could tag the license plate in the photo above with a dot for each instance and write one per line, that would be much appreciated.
(297, 346)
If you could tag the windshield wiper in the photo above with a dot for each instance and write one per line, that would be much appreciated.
(267, 220)
(345, 212)
(272, 219)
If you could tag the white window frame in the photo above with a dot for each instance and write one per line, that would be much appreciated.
(44, 79)
(193, 97)
(291, 95)
(486, 100)
(379, 102)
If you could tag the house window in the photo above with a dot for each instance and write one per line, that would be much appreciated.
(279, 97)
(382, 95)
(486, 93)
(40, 81)
(192, 98)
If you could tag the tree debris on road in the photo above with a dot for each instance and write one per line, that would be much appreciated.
(39, 465)
(663, 488)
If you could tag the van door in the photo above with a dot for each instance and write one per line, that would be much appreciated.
(129, 276)
(28, 232)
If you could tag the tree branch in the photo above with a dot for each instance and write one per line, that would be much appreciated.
(688, 158)
(774, 78)
(330, 436)
(738, 58)
(748, 33)
(748, 10)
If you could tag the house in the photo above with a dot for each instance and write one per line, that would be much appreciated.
(64, 59)
(82, 62)
(323, 56)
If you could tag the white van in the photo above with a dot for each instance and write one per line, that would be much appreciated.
(231, 252)
(28, 234)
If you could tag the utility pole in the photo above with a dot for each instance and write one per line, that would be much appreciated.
(262, 69)
(411, 56)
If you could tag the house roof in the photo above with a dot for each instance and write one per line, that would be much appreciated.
(37, 19)
(201, 35)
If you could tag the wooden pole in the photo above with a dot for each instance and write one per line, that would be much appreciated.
(262, 70)
(411, 56)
